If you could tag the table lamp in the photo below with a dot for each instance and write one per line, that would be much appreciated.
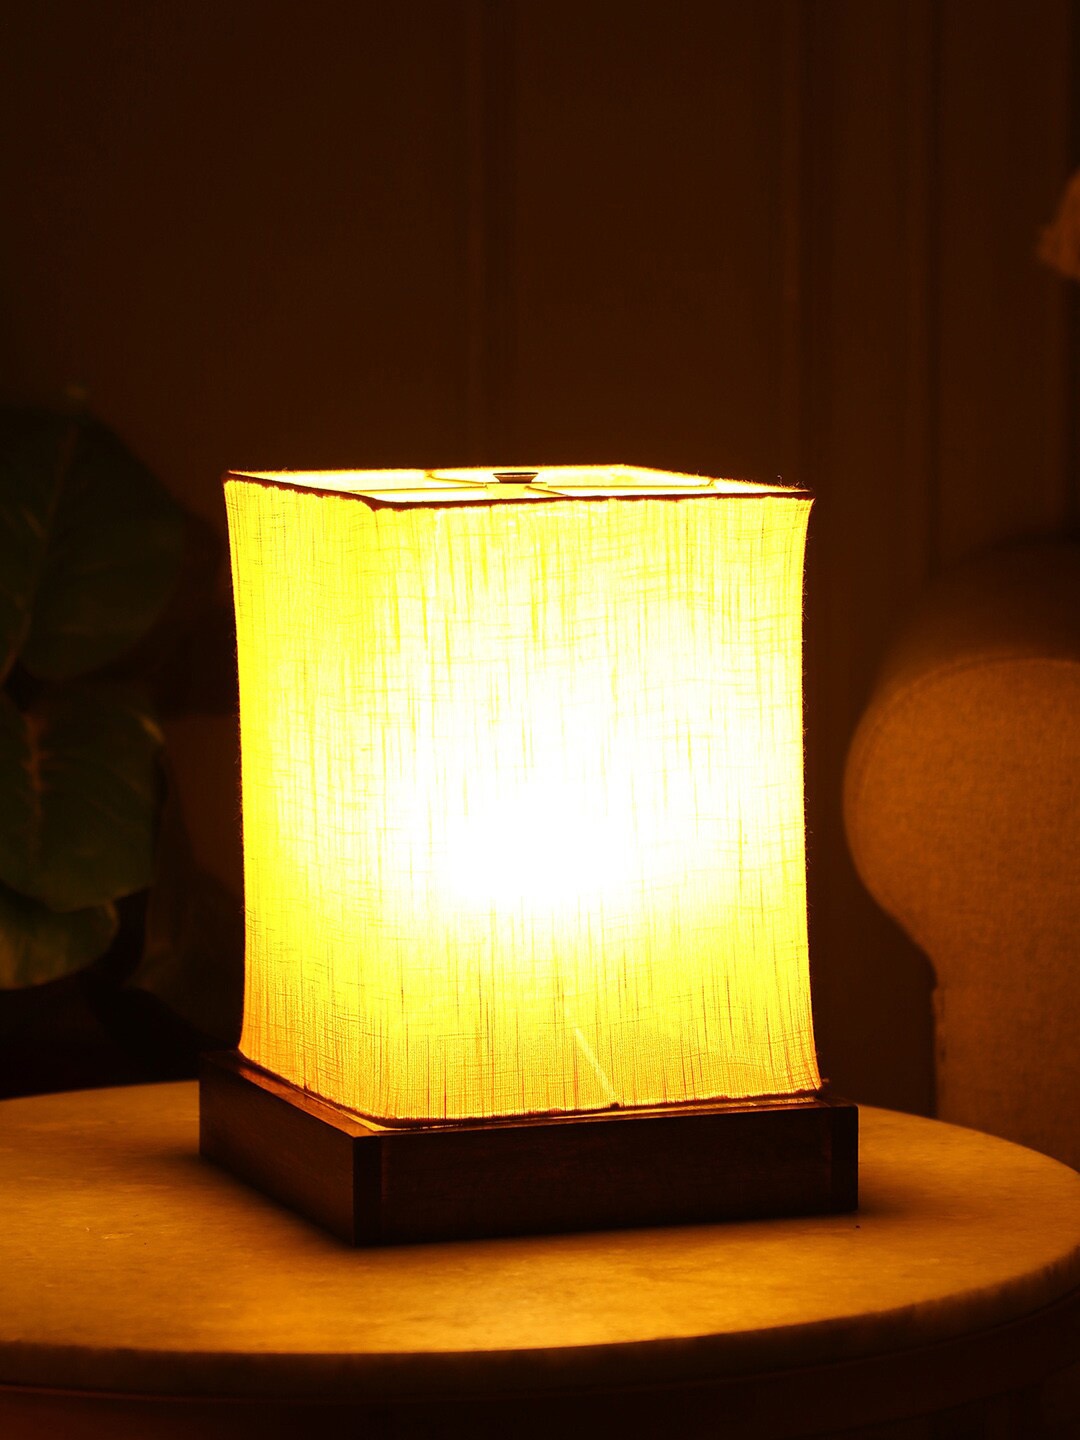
(524, 855)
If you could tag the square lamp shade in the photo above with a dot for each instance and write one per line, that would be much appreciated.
(524, 858)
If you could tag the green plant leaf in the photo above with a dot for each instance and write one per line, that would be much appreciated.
(37, 944)
(90, 545)
(78, 795)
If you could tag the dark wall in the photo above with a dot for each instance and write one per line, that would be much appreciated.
(789, 237)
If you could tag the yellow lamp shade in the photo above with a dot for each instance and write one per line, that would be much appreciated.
(522, 789)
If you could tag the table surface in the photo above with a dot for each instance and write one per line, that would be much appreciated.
(128, 1264)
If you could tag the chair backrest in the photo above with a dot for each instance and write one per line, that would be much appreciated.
(962, 805)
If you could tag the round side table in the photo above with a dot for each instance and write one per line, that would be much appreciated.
(145, 1294)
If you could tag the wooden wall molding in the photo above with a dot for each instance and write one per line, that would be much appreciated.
(491, 128)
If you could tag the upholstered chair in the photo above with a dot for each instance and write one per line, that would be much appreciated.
(962, 803)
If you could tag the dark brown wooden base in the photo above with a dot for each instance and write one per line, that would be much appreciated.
(370, 1186)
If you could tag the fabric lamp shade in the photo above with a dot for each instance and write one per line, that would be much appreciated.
(522, 779)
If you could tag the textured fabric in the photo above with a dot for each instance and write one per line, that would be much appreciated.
(963, 813)
(523, 809)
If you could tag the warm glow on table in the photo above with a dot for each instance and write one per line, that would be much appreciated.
(523, 808)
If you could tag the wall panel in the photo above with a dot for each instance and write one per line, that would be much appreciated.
(867, 229)
(648, 234)
(1005, 382)
(241, 227)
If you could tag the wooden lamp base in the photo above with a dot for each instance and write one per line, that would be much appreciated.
(471, 1180)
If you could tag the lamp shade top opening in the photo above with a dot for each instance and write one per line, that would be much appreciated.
(512, 482)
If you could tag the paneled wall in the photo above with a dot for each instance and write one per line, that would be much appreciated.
(938, 396)
(783, 237)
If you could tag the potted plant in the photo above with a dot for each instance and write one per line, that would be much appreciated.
(90, 551)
